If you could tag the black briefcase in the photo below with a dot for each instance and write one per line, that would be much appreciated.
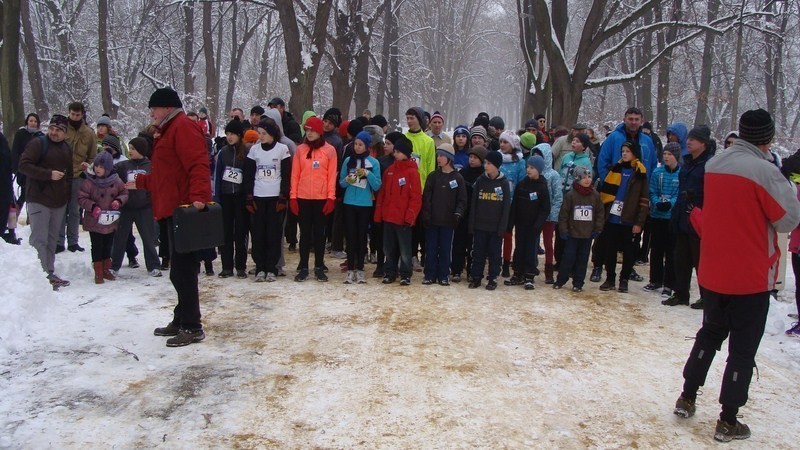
(196, 229)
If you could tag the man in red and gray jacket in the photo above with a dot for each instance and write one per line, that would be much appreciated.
(747, 202)
(180, 174)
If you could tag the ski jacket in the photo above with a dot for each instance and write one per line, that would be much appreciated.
(664, 184)
(91, 195)
(233, 176)
(400, 197)
(362, 191)
(679, 130)
(690, 190)
(514, 171)
(423, 153)
(314, 173)
(553, 180)
(611, 150)
(568, 164)
(38, 168)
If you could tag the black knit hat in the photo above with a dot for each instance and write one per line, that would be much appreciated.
(420, 114)
(497, 122)
(495, 158)
(585, 140)
(165, 97)
(378, 120)
(141, 145)
(634, 148)
(701, 133)
(394, 136)
(756, 127)
(404, 146)
(674, 148)
(334, 116)
(112, 141)
(236, 127)
(356, 126)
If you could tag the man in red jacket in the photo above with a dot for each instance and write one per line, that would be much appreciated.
(747, 202)
(180, 175)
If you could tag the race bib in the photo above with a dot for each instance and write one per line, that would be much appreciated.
(132, 174)
(401, 181)
(583, 213)
(616, 208)
(498, 190)
(665, 198)
(360, 183)
(108, 217)
(453, 184)
(533, 196)
(232, 175)
(315, 165)
(267, 172)
(417, 158)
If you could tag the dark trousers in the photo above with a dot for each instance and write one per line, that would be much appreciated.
(183, 275)
(130, 246)
(462, 249)
(143, 219)
(290, 229)
(486, 244)
(558, 250)
(267, 242)
(438, 252)
(796, 270)
(687, 257)
(526, 252)
(418, 241)
(742, 319)
(619, 238)
(101, 245)
(599, 250)
(337, 228)
(397, 246)
(356, 219)
(236, 224)
(508, 246)
(376, 242)
(164, 234)
(312, 231)
(662, 253)
(574, 261)
(646, 239)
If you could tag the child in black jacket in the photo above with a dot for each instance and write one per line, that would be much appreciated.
(529, 210)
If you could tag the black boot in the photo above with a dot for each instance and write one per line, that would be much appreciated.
(608, 285)
(506, 269)
(597, 272)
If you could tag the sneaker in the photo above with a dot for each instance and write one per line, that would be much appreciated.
(57, 282)
(697, 305)
(281, 272)
(133, 263)
(416, 265)
(577, 289)
(339, 254)
(529, 286)
(515, 280)
(271, 278)
(652, 286)
(319, 274)
(491, 285)
(155, 273)
(113, 272)
(623, 286)
(674, 300)
(540, 251)
(225, 273)
(794, 331)
(186, 337)
(372, 258)
(444, 282)
(428, 282)
(726, 432)
(405, 281)
(302, 275)
(164, 264)
(261, 277)
(360, 277)
(684, 407)
(635, 276)
(60, 248)
(241, 274)
(607, 285)
(351, 277)
(170, 330)
(666, 292)
(389, 279)
(474, 284)
(597, 272)
(75, 248)
(456, 278)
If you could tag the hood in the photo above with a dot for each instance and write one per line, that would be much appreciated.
(547, 153)
(306, 115)
(275, 115)
(679, 129)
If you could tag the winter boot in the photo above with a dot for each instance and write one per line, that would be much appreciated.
(515, 280)
(726, 432)
(623, 285)
(506, 269)
(107, 270)
(98, 272)
(608, 285)
(548, 274)
(529, 286)
(597, 273)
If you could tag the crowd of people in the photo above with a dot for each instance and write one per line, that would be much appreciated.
(444, 204)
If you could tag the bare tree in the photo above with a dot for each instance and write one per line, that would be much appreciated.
(109, 106)
(10, 71)
(32, 62)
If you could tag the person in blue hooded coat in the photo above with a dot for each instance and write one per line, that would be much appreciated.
(677, 132)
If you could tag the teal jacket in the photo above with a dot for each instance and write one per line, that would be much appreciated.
(361, 192)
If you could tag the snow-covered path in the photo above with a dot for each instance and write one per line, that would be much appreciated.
(300, 365)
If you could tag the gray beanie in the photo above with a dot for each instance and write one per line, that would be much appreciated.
(537, 162)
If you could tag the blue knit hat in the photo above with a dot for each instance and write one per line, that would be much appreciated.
(461, 129)
(364, 137)
(537, 162)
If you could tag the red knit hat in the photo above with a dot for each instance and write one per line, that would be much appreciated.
(314, 123)
(343, 129)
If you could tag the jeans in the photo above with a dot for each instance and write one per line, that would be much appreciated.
(267, 236)
(397, 246)
(356, 219)
(486, 245)
(438, 252)
(143, 218)
(574, 261)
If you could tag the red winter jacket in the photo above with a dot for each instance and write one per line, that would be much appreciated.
(180, 172)
(400, 197)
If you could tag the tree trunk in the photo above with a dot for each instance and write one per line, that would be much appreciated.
(10, 70)
(32, 62)
(263, 74)
(773, 70)
(233, 67)
(208, 52)
(644, 95)
(536, 95)
(102, 54)
(188, 50)
(701, 116)
(383, 83)
(665, 66)
(394, 74)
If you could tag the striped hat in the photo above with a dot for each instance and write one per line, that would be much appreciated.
(478, 130)
(756, 127)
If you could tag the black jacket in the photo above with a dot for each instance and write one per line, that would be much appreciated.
(531, 205)
(444, 200)
(291, 128)
(127, 170)
(227, 157)
(470, 175)
(21, 139)
(491, 205)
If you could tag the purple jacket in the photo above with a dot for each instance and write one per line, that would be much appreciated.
(91, 194)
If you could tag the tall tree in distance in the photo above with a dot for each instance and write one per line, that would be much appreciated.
(109, 106)
(10, 70)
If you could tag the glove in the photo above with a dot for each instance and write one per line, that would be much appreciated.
(350, 179)
(115, 205)
(294, 207)
(281, 205)
(563, 236)
(689, 207)
(595, 234)
(456, 219)
(250, 205)
(328, 208)
(663, 206)
(96, 211)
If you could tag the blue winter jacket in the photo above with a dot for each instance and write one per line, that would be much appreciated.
(690, 191)
(568, 164)
(663, 187)
(611, 151)
(553, 180)
(513, 170)
(679, 129)
(360, 193)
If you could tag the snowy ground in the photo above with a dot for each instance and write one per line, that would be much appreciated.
(301, 365)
